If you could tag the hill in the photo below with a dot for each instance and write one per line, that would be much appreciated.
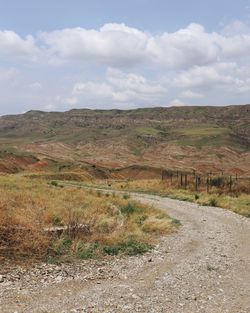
(202, 138)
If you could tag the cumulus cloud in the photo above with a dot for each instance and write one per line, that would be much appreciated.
(217, 76)
(117, 65)
(119, 88)
(12, 45)
(120, 45)
(113, 44)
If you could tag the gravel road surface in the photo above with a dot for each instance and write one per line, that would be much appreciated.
(204, 267)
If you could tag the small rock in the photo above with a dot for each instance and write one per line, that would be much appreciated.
(1, 279)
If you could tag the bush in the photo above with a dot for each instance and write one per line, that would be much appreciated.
(130, 247)
(57, 220)
(196, 196)
(126, 196)
(141, 219)
(213, 202)
(130, 208)
(177, 222)
(87, 250)
(54, 183)
(63, 245)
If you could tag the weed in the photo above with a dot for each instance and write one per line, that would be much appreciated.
(210, 268)
(141, 219)
(87, 250)
(54, 183)
(57, 220)
(130, 247)
(176, 222)
(126, 196)
(130, 208)
(213, 202)
(63, 245)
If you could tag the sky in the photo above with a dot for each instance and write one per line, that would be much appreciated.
(59, 55)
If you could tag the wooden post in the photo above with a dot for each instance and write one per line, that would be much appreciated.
(230, 183)
(196, 183)
(207, 184)
(186, 181)
(181, 179)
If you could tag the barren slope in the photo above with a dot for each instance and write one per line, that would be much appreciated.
(201, 138)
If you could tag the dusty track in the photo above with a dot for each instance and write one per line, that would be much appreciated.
(205, 267)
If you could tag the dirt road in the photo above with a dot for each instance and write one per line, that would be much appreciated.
(205, 267)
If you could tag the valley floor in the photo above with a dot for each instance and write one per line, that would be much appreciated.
(204, 267)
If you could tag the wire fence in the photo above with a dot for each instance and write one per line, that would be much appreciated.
(200, 182)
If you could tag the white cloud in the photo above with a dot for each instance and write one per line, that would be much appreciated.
(12, 45)
(225, 76)
(189, 94)
(235, 28)
(113, 44)
(119, 87)
(177, 103)
(122, 66)
(121, 46)
(50, 107)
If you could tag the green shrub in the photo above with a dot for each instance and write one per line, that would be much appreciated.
(196, 196)
(177, 222)
(130, 208)
(87, 250)
(57, 220)
(54, 183)
(130, 247)
(126, 196)
(63, 245)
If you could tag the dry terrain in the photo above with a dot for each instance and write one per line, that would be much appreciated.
(205, 267)
(205, 139)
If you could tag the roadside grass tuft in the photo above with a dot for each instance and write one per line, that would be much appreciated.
(91, 219)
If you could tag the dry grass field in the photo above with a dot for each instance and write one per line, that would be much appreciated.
(238, 202)
(40, 219)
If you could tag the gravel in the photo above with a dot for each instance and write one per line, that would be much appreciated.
(204, 267)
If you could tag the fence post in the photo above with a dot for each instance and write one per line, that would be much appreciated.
(230, 183)
(186, 181)
(196, 183)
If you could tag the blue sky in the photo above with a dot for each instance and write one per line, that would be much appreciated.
(56, 55)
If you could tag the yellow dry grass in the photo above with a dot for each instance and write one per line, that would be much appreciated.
(236, 202)
(28, 206)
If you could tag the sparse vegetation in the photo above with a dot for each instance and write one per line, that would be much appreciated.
(237, 202)
(40, 221)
